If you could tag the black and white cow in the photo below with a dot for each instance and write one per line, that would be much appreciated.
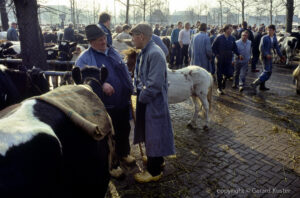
(16, 85)
(44, 154)
(288, 47)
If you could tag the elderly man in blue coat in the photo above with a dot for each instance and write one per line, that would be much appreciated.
(267, 43)
(153, 122)
(200, 50)
(117, 89)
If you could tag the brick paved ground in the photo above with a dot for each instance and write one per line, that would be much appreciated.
(251, 150)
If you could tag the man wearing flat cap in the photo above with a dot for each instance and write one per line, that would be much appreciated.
(153, 123)
(116, 90)
(12, 34)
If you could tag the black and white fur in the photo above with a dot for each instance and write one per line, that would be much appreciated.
(44, 154)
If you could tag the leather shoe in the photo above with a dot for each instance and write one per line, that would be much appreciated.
(144, 177)
(254, 70)
(145, 160)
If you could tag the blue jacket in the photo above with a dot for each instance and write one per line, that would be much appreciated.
(152, 74)
(118, 75)
(174, 36)
(200, 51)
(224, 47)
(12, 34)
(266, 46)
(244, 50)
(108, 33)
(160, 43)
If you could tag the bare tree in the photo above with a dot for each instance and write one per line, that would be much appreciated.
(289, 15)
(4, 17)
(273, 6)
(239, 5)
(127, 5)
(32, 45)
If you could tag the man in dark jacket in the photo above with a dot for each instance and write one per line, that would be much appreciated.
(69, 33)
(12, 34)
(255, 49)
(223, 47)
(156, 30)
(104, 23)
(245, 25)
(116, 92)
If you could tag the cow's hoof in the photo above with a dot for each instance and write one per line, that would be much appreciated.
(205, 128)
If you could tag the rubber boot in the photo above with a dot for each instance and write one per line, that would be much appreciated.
(255, 84)
(262, 87)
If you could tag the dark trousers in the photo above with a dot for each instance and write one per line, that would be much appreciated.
(175, 53)
(213, 67)
(184, 58)
(120, 121)
(224, 72)
(154, 165)
(255, 58)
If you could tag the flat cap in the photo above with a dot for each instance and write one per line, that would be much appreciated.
(93, 31)
(142, 28)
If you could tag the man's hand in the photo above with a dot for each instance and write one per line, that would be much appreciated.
(108, 89)
(241, 57)
(269, 56)
(173, 45)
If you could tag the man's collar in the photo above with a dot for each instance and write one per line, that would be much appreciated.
(147, 46)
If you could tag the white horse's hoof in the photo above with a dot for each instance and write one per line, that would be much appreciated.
(191, 125)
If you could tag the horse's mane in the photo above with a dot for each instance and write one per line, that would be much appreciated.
(130, 52)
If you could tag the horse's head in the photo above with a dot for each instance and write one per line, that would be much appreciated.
(130, 56)
(92, 76)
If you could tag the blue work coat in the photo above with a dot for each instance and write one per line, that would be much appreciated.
(152, 74)
(120, 70)
(200, 51)
(266, 46)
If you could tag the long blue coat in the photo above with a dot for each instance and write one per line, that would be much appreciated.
(200, 51)
(158, 137)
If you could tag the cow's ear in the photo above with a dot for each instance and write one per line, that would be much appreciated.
(76, 75)
(103, 74)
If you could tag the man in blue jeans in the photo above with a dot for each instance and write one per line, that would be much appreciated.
(175, 45)
(268, 42)
(241, 67)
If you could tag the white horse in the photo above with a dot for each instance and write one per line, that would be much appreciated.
(191, 81)
(296, 75)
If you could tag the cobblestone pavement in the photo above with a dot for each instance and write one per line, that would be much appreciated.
(252, 148)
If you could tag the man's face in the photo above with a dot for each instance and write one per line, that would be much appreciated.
(14, 26)
(137, 40)
(244, 36)
(179, 25)
(100, 43)
(187, 26)
(229, 30)
(271, 31)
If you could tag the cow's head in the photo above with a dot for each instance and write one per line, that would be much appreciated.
(65, 49)
(18, 85)
(92, 76)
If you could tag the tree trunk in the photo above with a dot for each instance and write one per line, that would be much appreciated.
(144, 16)
(127, 12)
(271, 11)
(4, 17)
(289, 15)
(32, 45)
(243, 11)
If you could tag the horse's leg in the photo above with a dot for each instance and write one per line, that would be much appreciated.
(193, 123)
(205, 104)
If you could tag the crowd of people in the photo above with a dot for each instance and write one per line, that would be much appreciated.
(231, 47)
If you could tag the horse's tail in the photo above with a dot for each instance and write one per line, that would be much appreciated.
(210, 90)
